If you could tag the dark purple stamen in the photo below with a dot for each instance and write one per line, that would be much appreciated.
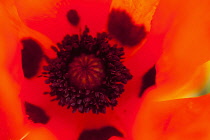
(87, 74)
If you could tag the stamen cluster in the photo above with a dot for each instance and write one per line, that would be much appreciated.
(86, 98)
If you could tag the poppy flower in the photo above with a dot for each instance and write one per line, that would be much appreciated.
(174, 108)
(37, 26)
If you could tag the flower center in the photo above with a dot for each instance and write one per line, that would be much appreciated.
(86, 71)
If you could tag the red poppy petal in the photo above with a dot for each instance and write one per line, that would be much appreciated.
(141, 58)
(52, 21)
(65, 120)
(141, 13)
(117, 138)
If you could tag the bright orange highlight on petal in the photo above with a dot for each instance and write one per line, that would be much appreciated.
(40, 133)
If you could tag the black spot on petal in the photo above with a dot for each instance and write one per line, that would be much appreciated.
(148, 80)
(121, 26)
(100, 134)
(36, 114)
(31, 57)
(73, 17)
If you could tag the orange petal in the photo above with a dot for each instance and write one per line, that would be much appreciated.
(40, 133)
(184, 37)
(11, 76)
(174, 119)
(181, 70)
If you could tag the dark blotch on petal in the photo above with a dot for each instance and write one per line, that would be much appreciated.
(36, 114)
(121, 26)
(31, 57)
(148, 80)
(73, 17)
(100, 134)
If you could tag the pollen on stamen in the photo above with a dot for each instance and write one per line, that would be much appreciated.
(87, 74)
